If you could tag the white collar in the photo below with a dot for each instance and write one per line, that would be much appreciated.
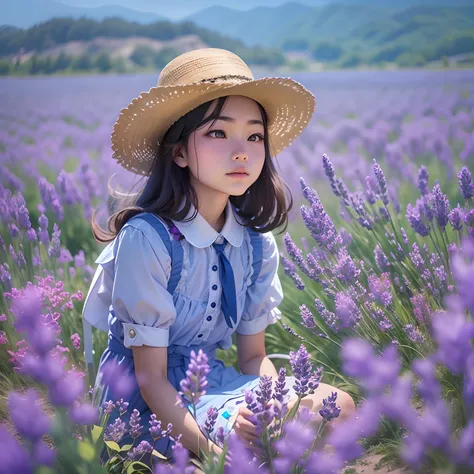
(201, 234)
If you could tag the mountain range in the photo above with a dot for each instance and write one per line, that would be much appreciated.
(25, 13)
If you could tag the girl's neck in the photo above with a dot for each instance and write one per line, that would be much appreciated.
(212, 206)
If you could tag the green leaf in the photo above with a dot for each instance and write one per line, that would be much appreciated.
(126, 447)
(44, 470)
(134, 466)
(113, 445)
(86, 451)
(159, 455)
(96, 432)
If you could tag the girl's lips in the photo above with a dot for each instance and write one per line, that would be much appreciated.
(237, 175)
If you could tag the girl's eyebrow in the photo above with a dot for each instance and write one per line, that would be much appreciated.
(230, 119)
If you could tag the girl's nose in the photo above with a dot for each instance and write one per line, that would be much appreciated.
(240, 157)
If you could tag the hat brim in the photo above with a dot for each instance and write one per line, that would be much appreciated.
(142, 125)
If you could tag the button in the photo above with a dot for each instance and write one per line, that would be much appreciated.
(214, 268)
(219, 239)
(214, 287)
(199, 335)
(132, 333)
(209, 318)
(213, 305)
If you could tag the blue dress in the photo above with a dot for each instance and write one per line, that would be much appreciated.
(131, 281)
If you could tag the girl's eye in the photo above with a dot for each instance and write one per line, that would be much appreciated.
(221, 131)
(258, 135)
(215, 131)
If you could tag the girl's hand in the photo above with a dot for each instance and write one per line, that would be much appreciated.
(244, 426)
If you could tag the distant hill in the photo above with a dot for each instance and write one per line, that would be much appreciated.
(26, 13)
(114, 44)
(364, 23)
(183, 8)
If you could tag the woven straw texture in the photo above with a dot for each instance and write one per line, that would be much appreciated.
(197, 77)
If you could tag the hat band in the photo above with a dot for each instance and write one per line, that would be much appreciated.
(228, 77)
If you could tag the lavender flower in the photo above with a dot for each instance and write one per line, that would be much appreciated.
(118, 377)
(193, 387)
(115, 431)
(15, 458)
(280, 385)
(346, 311)
(441, 206)
(290, 270)
(381, 259)
(329, 411)
(423, 177)
(109, 407)
(414, 334)
(303, 371)
(307, 317)
(264, 391)
(382, 182)
(414, 218)
(26, 414)
(135, 427)
(139, 451)
(212, 414)
(155, 427)
(465, 183)
(84, 414)
(296, 254)
(456, 218)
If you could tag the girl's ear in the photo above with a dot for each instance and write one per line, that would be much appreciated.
(180, 157)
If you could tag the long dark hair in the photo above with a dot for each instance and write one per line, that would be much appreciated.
(263, 207)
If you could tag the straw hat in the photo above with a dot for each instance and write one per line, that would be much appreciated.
(192, 79)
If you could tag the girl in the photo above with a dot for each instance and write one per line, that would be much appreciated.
(205, 137)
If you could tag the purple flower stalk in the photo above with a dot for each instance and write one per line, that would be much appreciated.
(290, 270)
(115, 431)
(329, 411)
(441, 206)
(307, 317)
(296, 254)
(382, 182)
(193, 387)
(26, 414)
(414, 218)
(280, 385)
(264, 390)
(456, 218)
(155, 427)
(135, 427)
(465, 183)
(211, 419)
(303, 371)
(139, 451)
(423, 177)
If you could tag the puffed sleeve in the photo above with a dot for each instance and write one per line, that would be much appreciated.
(264, 296)
(139, 293)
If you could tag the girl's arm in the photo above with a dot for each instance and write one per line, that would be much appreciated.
(151, 372)
(252, 356)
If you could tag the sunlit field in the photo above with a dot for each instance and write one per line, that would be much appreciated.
(377, 265)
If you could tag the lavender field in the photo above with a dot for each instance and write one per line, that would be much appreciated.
(377, 266)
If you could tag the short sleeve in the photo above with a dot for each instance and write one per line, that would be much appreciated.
(264, 296)
(140, 298)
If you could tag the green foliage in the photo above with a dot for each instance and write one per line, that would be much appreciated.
(60, 31)
(5, 67)
(327, 51)
(143, 55)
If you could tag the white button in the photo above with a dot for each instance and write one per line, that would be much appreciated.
(132, 333)
(219, 239)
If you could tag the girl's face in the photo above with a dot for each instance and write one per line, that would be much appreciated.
(234, 141)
